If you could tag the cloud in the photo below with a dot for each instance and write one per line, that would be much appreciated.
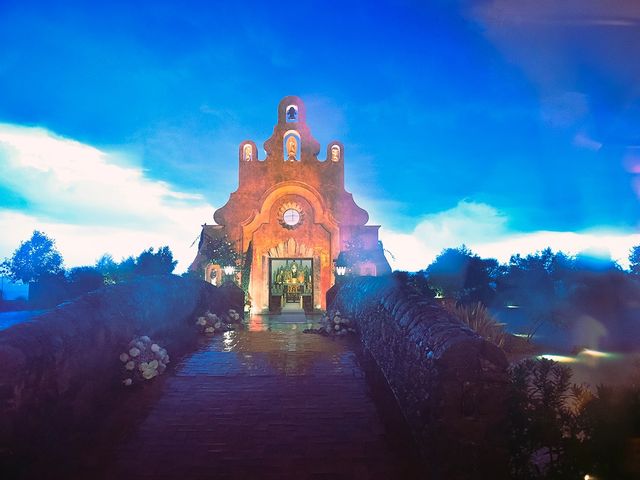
(91, 201)
(621, 13)
(477, 222)
(584, 141)
(484, 230)
(562, 46)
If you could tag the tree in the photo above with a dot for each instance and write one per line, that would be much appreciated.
(246, 272)
(634, 260)
(417, 281)
(35, 258)
(596, 262)
(459, 274)
(155, 263)
(84, 279)
(149, 262)
(538, 283)
(125, 269)
(561, 430)
(601, 289)
(543, 440)
(107, 266)
(113, 272)
(5, 271)
(220, 251)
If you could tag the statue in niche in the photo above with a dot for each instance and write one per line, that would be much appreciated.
(292, 148)
(335, 153)
(292, 113)
(247, 153)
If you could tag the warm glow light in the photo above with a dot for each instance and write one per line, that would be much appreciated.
(257, 324)
(558, 358)
(595, 353)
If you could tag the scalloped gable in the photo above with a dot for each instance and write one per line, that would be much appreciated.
(292, 174)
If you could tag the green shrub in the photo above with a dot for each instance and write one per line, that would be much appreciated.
(559, 430)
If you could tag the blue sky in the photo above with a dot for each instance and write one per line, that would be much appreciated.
(506, 125)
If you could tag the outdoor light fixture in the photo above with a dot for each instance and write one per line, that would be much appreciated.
(341, 270)
(229, 270)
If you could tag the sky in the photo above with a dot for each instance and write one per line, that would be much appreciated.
(506, 125)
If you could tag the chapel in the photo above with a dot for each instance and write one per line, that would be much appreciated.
(291, 222)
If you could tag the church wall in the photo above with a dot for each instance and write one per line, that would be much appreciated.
(291, 168)
(308, 240)
(367, 235)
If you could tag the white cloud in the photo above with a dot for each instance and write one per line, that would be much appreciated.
(475, 222)
(551, 12)
(614, 244)
(484, 230)
(90, 202)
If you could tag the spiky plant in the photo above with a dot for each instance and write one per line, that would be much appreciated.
(478, 318)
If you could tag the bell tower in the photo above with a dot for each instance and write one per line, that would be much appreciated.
(292, 207)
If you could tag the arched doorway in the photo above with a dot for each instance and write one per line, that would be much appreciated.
(291, 284)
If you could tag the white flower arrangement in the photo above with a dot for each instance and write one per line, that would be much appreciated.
(333, 324)
(143, 360)
(233, 315)
(211, 323)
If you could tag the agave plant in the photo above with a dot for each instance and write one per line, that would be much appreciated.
(480, 320)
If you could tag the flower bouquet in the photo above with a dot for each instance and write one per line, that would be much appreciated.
(333, 324)
(211, 323)
(234, 317)
(143, 360)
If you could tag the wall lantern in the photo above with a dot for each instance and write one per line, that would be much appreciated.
(341, 265)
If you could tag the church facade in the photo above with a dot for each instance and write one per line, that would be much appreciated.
(291, 221)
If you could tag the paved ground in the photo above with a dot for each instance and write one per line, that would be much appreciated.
(266, 402)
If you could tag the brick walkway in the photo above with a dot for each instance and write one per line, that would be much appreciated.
(266, 402)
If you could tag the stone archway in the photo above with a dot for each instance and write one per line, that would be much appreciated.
(291, 251)
(315, 237)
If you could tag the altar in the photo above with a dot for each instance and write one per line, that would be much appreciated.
(291, 284)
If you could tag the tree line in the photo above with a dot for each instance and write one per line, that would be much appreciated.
(549, 286)
(37, 262)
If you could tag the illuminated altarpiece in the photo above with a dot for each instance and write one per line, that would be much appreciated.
(292, 215)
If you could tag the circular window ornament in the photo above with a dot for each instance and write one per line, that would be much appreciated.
(290, 215)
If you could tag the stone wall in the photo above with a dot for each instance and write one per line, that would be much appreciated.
(449, 382)
(56, 369)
